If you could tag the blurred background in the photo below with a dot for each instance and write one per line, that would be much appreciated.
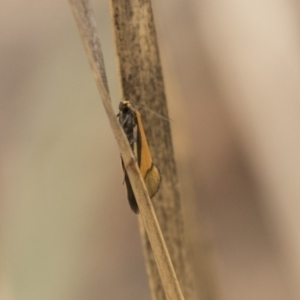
(232, 73)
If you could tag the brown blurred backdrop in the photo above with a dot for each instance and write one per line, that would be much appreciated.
(232, 72)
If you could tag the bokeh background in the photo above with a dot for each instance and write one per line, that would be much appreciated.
(232, 73)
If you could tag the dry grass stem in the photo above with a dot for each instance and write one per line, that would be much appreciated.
(83, 15)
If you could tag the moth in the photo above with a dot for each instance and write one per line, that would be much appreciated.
(131, 122)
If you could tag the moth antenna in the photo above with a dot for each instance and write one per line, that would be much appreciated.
(154, 112)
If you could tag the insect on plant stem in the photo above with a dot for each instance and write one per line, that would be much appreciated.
(131, 122)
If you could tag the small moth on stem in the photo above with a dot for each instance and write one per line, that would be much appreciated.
(131, 122)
